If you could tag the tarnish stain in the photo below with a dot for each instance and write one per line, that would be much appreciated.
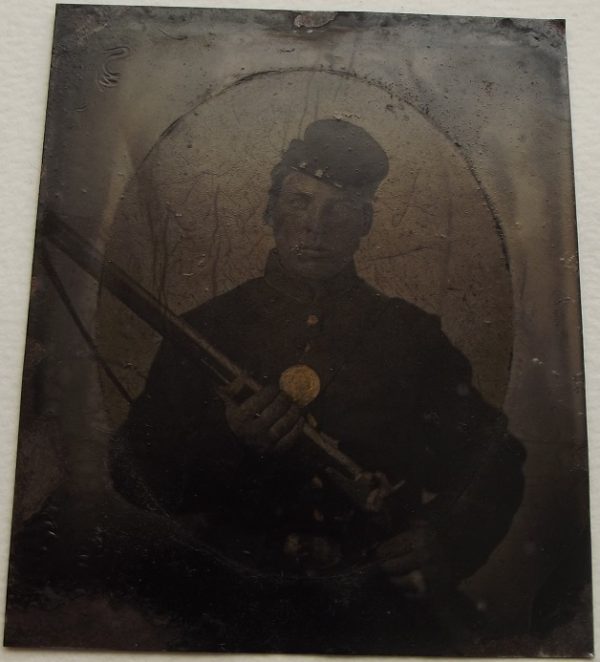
(181, 37)
(109, 78)
(314, 19)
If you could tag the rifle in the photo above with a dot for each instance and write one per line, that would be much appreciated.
(368, 492)
(365, 490)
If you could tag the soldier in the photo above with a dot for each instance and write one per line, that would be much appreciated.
(382, 379)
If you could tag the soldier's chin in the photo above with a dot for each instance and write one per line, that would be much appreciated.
(313, 268)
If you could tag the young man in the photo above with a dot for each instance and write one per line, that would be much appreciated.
(382, 379)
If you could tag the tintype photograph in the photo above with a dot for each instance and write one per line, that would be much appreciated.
(303, 369)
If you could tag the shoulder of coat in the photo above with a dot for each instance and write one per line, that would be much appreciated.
(234, 299)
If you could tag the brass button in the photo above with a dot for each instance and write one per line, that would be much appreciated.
(312, 320)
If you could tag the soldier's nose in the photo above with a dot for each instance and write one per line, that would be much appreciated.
(313, 225)
(319, 221)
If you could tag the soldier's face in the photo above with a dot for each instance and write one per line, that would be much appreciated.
(317, 226)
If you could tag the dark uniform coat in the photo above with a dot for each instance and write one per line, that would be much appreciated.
(396, 395)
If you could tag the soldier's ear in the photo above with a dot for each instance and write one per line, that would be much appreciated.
(268, 213)
(277, 176)
(367, 220)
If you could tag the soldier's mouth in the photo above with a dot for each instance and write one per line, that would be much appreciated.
(312, 252)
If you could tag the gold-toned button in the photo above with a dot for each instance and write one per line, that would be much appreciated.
(301, 383)
(312, 320)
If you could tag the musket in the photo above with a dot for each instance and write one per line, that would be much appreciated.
(365, 490)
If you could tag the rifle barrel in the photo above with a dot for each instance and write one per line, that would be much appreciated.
(139, 300)
(159, 317)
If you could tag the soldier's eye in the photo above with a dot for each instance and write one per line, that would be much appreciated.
(297, 201)
(341, 211)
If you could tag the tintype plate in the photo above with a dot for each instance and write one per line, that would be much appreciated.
(303, 368)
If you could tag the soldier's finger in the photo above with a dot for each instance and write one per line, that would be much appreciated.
(401, 565)
(290, 438)
(253, 406)
(397, 546)
(274, 410)
(413, 583)
(285, 422)
(402, 581)
(224, 394)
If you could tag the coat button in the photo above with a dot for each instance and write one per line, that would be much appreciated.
(312, 320)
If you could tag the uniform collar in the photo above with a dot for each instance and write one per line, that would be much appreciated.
(305, 290)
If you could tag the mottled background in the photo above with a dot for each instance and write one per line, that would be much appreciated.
(190, 225)
(478, 216)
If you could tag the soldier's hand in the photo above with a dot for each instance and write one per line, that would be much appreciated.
(417, 550)
(268, 420)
